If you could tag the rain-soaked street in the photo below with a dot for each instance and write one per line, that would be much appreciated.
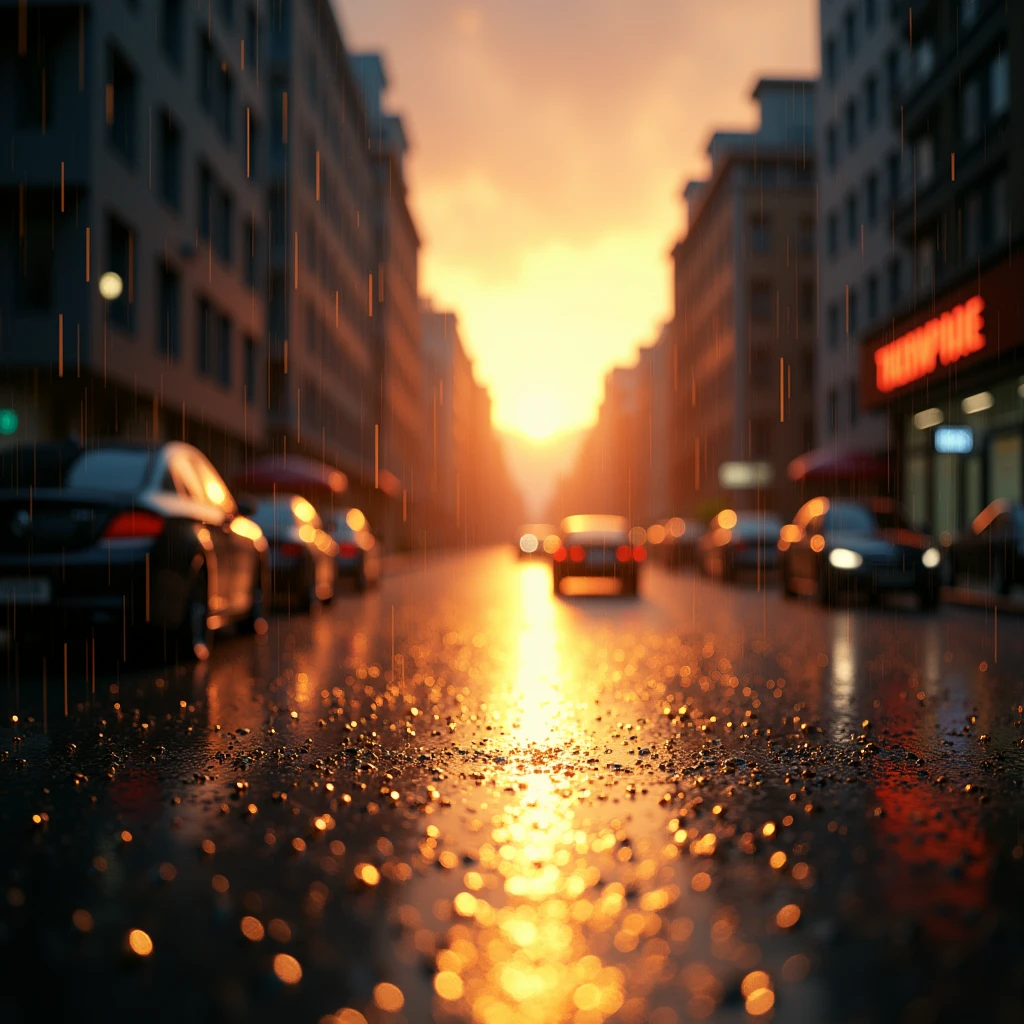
(459, 797)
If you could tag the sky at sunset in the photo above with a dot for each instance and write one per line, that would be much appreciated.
(550, 142)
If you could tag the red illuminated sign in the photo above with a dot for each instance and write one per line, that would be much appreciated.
(942, 340)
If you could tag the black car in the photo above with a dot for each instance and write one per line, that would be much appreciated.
(847, 547)
(992, 551)
(739, 543)
(598, 547)
(127, 537)
(359, 554)
(302, 554)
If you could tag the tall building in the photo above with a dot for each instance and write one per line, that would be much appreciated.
(396, 314)
(864, 269)
(323, 390)
(133, 228)
(745, 319)
(948, 367)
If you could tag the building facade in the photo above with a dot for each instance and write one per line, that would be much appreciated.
(133, 225)
(864, 275)
(745, 321)
(949, 369)
(321, 197)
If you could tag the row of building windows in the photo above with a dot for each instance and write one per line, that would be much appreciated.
(847, 318)
(833, 412)
(867, 106)
(765, 302)
(863, 208)
(172, 31)
(858, 23)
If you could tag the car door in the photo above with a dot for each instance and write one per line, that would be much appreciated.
(220, 508)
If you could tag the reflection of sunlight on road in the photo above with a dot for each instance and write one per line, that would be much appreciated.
(844, 673)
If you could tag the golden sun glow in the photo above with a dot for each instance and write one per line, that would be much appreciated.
(537, 416)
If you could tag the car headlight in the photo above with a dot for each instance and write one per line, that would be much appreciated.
(931, 558)
(844, 558)
(528, 544)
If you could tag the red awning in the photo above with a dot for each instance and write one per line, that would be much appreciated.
(292, 473)
(833, 464)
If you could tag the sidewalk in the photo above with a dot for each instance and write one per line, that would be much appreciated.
(975, 597)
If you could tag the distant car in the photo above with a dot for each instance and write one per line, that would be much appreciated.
(598, 546)
(682, 537)
(359, 555)
(739, 542)
(847, 547)
(537, 540)
(127, 537)
(302, 554)
(992, 551)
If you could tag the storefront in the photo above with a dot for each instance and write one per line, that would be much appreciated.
(952, 379)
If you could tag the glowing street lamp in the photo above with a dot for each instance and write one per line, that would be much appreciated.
(111, 286)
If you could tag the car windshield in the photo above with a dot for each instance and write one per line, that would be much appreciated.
(751, 526)
(272, 514)
(110, 469)
(851, 519)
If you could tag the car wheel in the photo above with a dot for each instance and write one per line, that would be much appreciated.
(195, 638)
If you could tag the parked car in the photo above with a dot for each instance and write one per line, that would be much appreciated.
(537, 540)
(598, 546)
(739, 542)
(302, 556)
(359, 554)
(992, 551)
(128, 537)
(682, 537)
(849, 547)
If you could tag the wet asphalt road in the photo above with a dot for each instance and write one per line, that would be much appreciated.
(460, 798)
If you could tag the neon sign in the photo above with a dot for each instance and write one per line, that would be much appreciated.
(944, 339)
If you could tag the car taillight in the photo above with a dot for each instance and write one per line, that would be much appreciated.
(136, 523)
(623, 553)
(560, 554)
(290, 550)
(639, 553)
(576, 553)
(347, 550)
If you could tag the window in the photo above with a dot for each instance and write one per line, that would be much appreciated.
(251, 150)
(226, 10)
(894, 177)
(873, 309)
(852, 220)
(760, 233)
(1000, 204)
(224, 102)
(805, 235)
(203, 327)
(850, 32)
(808, 301)
(832, 233)
(999, 85)
(121, 261)
(279, 118)
(850, 119)
(310, 326)
(120, 105)
(969, 10)
(833, 325)
(249, 356)
(895, 283)
(831, 145)
(207, 70)
(170, 161)
(892, 74)
(172, 30)
(223, 365)
(926, 265)
(970, 111)
(853, 312)
(972, 225)
(871, 100)
(870, 14)
(34, 93)
(871, 196)
(251, 254)
(829, 60)
(252, 40)
(854, 400)
(807, 364)
(222, 225)
(832, 411)
(169, 328)
(924, 161)
(205, 200)
(762, 302)
(35, 255)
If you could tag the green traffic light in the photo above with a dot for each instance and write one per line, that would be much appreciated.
(8, 421)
